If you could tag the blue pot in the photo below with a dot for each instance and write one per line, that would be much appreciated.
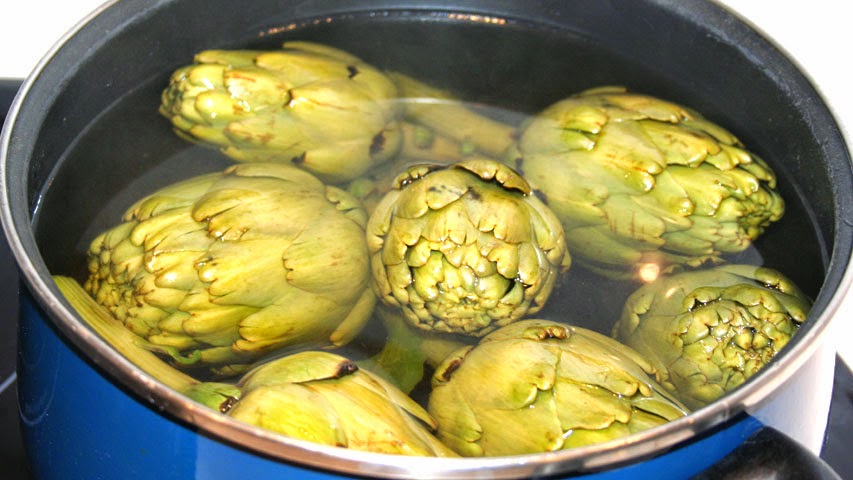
(76, 419)
(88, 413)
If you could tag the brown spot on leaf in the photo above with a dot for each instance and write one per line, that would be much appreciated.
(237, 74)
(452, 367)
(346, 368)
(377, 144)
(300, 159)
(227, 404)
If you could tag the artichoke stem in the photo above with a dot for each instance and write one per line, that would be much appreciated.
(406, 350)
(448, 116)
(421, 144)
(123, 340)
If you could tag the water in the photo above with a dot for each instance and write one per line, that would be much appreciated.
(512, 68)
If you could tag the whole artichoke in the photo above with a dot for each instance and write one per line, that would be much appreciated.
(464, 248)
(325, 398)
(540, 386)
(310, 104)
(706, 332)
(641, 183)
(222, 268)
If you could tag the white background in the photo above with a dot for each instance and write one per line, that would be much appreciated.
(816, 34)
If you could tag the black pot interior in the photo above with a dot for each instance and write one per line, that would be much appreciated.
(102, 143)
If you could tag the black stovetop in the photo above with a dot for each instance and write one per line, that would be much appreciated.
(836, 450)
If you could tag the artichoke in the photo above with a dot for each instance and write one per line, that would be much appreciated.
(644, 184)
(448, 117)
(464, 248)
(438, 129)
(540, 386)
(310, 104)
(708, 331)
(220, 269)
(325, 398)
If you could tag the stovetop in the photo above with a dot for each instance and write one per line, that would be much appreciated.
(13, 458)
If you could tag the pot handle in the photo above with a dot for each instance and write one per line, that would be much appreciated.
(769, 453)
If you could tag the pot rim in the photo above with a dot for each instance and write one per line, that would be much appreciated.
(15, 219)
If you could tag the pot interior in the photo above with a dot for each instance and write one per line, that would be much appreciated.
(519, 67)
(93, 161)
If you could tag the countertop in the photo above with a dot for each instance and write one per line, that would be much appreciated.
(813, 34)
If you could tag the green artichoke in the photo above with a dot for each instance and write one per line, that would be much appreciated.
(223, 268)
(448, 117)
(641, 184)
(540, 386)
(325, 398)
(313, 105)
(438, 129)
(464, 248)
(708, 331)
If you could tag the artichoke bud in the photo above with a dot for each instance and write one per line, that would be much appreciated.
(313, 105)
(325, 398)
(539, 386)
(709, 331)
(636, 179)
(221, 269)
(464, 248)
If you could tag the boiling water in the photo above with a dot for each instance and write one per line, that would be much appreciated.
(512, 68)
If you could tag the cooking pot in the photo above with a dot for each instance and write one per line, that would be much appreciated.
(83, 139)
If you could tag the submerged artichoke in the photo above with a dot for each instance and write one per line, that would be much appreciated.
(464, 248)
(222, 268)
(452, 119)
(325, 398)
(316, 106)
(539, 386)
(706, 332)
(639, 182)
(420, 145)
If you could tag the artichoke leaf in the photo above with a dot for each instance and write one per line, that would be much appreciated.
(292, 410)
